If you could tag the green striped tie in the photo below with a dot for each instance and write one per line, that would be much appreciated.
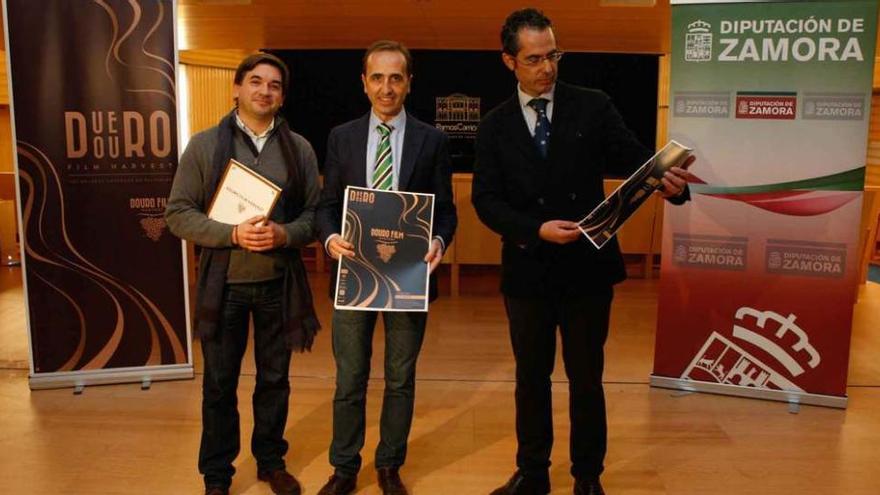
(383, 174)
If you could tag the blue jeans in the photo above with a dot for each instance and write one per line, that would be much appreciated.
(352, 349)
(222, 356)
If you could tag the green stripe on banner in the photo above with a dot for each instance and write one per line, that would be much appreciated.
(850, 180)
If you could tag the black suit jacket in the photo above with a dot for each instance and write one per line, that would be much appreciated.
(424, 168)
(515, 190)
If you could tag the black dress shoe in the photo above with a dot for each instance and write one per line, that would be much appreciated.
(521, 484)
(338, 485)
(216, 490)
(281, 482)
(390, 482)
(588, 486)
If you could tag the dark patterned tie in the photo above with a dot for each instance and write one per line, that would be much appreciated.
(542, 126)
(383, 173)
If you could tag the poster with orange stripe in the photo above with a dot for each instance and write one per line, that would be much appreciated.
(93, 89)
(759, 270)
(391, 231)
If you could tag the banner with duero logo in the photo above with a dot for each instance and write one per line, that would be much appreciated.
(759, 270)
(93, 90)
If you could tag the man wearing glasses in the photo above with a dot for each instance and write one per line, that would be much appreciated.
(540, 161)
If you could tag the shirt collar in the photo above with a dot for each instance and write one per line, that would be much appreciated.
(525, 98)
(398, 122)
(247, 130)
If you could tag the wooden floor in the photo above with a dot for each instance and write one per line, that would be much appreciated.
(121, 440)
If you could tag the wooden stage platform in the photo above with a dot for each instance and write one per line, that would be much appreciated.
(121, 440)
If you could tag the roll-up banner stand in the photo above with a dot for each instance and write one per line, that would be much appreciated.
(93, 100)
(759, 270)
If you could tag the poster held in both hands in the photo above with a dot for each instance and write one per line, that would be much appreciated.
(606, 219)
(390, 232)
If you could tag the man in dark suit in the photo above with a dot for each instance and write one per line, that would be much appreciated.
(540, 160)
(385, 149)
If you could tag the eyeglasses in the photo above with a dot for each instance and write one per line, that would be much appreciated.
(551, 57)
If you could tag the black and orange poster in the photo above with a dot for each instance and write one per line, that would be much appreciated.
(391, 232)
(93, 92)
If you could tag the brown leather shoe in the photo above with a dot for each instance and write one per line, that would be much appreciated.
(588, 486)
(216, 490)
(390, 482)
(281, 482)
(338, 485)
(520, 484)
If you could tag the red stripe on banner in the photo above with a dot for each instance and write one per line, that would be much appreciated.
(781, 201)
(750, 197)
(807, 207)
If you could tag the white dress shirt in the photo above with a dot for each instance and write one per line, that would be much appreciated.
(398, 124)
(259, 140)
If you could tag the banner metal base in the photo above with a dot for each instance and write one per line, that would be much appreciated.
(79, 379)
(791, 397)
